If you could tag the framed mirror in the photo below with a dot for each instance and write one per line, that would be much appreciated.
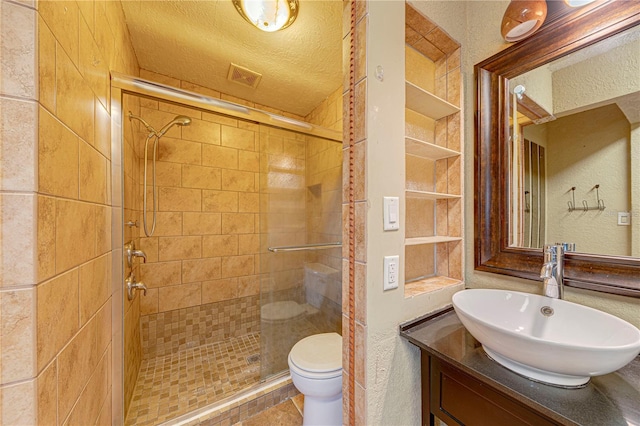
(513, 165)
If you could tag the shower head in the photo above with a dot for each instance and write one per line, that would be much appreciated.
(180, 120)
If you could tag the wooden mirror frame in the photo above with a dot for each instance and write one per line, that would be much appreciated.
(571, 30)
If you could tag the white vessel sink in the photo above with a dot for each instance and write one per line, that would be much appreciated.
(547, 340)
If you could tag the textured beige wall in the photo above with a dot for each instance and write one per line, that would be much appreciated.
(635, 195)
(392, 386)
(538, 84)
(584, 150)
(597, 80)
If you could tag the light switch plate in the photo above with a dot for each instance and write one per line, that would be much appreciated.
(624, 218)
(391, 213)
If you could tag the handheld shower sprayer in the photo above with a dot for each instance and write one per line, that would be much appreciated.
(180, 120)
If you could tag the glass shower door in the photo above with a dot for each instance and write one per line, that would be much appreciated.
(300, 237)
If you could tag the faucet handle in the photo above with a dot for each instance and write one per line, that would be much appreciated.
(132, 285)
(139, 253)
(131, 252)
(550, 252)
(567, 247)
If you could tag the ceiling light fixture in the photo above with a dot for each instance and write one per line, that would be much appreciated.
(578, 3)
(268, 15)
(523, 18)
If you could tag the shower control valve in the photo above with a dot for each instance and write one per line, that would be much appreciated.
(131, 252)
(132, 285)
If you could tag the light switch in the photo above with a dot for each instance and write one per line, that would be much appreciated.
(391, 216)
(624, 218)
(390, 271)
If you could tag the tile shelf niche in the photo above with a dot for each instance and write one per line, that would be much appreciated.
(425, 149)
(426, 103)
(434, 247)
(430, 240)
(410, 193)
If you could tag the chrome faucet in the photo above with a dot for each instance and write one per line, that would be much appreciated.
(552, 271)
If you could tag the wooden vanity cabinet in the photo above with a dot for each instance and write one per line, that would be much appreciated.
(457, 398)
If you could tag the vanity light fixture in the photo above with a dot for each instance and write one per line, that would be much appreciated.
(523, 18)
(268, 15)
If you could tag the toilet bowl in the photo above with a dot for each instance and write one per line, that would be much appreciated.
(315, 364)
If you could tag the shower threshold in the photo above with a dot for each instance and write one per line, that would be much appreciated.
(173, 385)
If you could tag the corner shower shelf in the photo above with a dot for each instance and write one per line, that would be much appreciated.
(426, 103)
(429, 195)
(423, 149)
(427, 285)
(430, 240)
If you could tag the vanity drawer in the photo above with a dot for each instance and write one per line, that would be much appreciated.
(459, 399)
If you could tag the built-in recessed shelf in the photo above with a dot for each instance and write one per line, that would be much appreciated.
(430, 240)
(426, 103)
(428, 150)
(429, 195)
(428, 285)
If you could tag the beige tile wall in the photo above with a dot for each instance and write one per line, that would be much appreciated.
(132, 206)
(324, 210)
(324, 181)
(68, 313)
(206, 241)
(18, 212)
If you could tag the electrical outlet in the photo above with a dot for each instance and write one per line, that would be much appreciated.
(391, 272)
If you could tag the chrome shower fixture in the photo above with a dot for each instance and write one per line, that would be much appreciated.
(179, 120)
(147, 125)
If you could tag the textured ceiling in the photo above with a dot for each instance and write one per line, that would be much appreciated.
(196, 41)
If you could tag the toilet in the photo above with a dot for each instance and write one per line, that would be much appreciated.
(315, 364)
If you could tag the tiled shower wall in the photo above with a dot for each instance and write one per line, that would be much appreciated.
(203, 260)
(56, 219)
(323, 212)
(132, 140)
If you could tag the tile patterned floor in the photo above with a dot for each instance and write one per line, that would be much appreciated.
(284, 414)
(176, 384)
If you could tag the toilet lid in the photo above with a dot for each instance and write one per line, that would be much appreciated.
(318, 353)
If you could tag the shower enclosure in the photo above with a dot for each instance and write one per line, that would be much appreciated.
(245, 258)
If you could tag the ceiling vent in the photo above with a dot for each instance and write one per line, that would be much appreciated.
(244, 76)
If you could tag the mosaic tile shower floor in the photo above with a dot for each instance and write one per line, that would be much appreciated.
(175, 384)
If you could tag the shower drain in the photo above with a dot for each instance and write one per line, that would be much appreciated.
(252, 359)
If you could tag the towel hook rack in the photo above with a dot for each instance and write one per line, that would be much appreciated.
(600, 202)
(572, 204)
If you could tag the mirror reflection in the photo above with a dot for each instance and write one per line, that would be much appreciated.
(575, 150)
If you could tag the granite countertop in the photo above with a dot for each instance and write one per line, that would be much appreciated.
(612, 399)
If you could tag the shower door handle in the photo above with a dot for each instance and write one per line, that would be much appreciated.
(305, 247)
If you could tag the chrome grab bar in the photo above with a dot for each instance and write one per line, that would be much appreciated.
(305, 247)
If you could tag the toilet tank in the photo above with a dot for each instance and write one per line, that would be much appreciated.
(322, 282)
